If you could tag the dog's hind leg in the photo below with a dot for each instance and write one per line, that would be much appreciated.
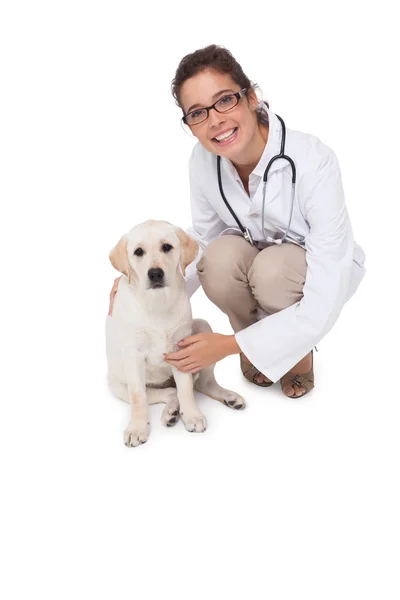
(170, 414)
(206, 382)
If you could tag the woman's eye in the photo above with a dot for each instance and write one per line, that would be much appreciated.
(139, 252)
(226, 99)
(166, 247)
(196, 115)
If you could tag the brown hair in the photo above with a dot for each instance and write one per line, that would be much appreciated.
(217, 59)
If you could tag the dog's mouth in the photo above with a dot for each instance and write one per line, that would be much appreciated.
(155, 286)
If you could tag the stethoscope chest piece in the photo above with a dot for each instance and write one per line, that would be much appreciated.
(248, 237)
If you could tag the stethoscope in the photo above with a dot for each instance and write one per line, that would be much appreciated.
(245, 231)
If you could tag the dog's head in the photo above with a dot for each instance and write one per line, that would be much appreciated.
(152, 254)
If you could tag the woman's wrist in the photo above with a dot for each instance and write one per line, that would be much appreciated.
(232, 347)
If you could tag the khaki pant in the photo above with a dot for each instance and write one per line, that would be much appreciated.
(238, 278)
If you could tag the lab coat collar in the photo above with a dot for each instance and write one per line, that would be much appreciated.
(272, 147)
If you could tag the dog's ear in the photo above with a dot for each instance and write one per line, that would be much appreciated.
(189, 248)
(119, 257)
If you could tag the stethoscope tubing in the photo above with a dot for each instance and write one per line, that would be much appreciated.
(245, 231)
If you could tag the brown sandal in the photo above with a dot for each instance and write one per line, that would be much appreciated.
(305, 380)
(251, 373)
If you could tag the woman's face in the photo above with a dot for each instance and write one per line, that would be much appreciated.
(204, 89)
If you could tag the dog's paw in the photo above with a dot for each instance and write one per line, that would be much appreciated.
(194, 421)
(211, 388)
(233, 400)
(170, 414)
(136, 434)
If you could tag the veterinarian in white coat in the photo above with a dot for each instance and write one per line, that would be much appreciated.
(320, 224)
(299, 286)
(223, 112)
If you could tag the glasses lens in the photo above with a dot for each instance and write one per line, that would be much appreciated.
(196, 117)
(226, 103)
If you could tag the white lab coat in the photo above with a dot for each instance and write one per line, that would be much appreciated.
(320, 223)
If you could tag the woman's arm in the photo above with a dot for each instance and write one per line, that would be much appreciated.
(206, 223)
(279, 341)
(112, 295)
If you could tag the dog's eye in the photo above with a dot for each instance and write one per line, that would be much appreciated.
(166, 247)
(138, 252)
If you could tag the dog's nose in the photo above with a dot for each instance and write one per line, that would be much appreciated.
(155, 275)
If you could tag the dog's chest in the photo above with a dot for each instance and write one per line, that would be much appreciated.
(157, 343)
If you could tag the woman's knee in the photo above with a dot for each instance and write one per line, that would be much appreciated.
(277, 277)
(223, 264)
(223, 255)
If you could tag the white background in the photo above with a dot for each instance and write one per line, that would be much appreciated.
(285, 500)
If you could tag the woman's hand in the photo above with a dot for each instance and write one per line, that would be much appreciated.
(201, 350)
(112, 295)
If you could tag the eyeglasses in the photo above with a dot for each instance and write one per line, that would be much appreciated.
(222, 105)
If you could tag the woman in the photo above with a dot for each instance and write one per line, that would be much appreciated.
(281, 298)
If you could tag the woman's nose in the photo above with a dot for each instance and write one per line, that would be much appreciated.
(215, 118)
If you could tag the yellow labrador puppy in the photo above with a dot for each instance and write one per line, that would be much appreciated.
(151, 314)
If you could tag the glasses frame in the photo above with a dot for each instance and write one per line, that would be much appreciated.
(238, 96)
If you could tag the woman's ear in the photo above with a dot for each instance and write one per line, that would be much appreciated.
(189, 248)
(252, 99)
(119, 257)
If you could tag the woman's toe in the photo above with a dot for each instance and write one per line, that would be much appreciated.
(289, 390)
(299, 391)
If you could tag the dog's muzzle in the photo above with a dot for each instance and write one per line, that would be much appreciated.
(156, 277)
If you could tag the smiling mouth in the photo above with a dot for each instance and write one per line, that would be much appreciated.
(226, 136)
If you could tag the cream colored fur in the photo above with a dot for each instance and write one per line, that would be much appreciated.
(146, 323)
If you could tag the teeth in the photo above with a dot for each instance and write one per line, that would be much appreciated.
(225, 136)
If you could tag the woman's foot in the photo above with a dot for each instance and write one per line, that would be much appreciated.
(251, 373)
(303, 372)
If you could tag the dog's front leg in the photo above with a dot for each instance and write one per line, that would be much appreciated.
(192, 417)
(138, 429)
